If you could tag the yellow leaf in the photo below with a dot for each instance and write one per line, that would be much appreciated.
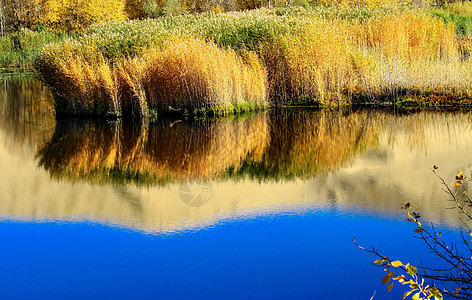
(457, 184)
(416, 296)
(391, 274)
(390, 287)
(406, 294)
(396, 263)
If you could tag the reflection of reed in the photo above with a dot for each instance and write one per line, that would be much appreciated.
(275, 145)
(372, 161)
(304, 144)
(419, 129)
(156, 152)
(26, 114)
(279, 145)
(399, 170)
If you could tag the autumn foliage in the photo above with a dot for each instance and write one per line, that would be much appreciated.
(63, 15)
(316, 57)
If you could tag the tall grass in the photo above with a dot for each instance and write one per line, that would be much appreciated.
(459, 13)
(191, 63)
(192, 74)
(20, 48)
(184, 75)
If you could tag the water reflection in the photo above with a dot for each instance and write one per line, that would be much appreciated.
(181, 174)
(151, 154)
(309, 143)
(276, 145)
(26, 113)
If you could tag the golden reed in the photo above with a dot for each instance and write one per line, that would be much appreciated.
(185, 75)
(240, 61)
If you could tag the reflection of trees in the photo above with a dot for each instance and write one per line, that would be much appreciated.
(26, 114)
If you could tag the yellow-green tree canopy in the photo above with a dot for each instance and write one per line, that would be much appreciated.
(66, 15)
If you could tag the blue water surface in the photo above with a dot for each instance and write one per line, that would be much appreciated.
(306, 255)
(358, 168)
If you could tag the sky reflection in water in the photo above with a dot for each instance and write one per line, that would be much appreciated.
(94, 209)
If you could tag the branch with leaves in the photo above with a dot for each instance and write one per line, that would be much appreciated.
(453, 281)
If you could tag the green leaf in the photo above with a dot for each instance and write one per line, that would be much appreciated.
(411, 270)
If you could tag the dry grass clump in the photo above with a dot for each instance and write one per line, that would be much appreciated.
(404, 53)
(183, 75)
(333, 61)
(315, 63)
(223, 61)
(192, 74)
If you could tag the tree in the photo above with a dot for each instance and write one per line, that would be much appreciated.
(426, 282)
(134, 8)
(64, 15)
(75, 15)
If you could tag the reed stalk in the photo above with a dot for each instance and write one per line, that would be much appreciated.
(227, 62)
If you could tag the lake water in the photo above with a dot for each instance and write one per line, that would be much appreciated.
(260, 206)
